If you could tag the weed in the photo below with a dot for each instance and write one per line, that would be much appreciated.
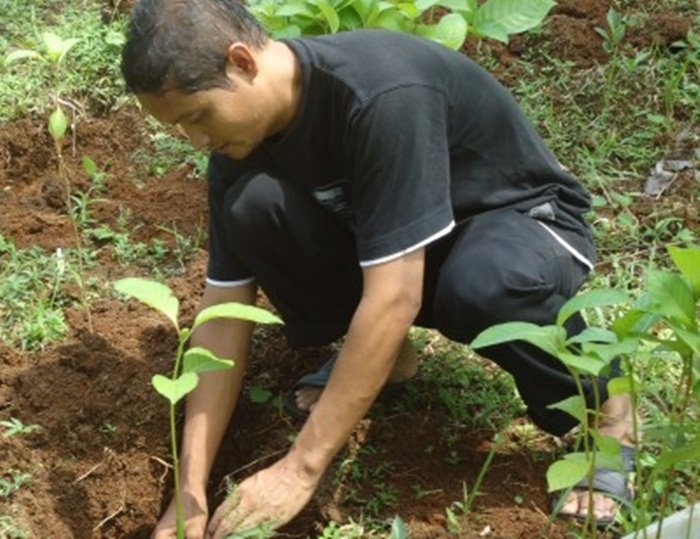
(31, 306)
(170, 153)
(17, 480)
(14, 426)
(9, 530)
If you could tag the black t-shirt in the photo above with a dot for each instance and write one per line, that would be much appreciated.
(399, 138)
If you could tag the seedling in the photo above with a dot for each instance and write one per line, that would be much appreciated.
(54, 52)
(665, 316)
(14, 426)
(188, 364)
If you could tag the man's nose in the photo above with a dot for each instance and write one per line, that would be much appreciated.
(197, 137)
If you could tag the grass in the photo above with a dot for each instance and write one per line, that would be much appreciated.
(92, 80)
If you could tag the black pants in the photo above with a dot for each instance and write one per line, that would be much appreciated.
(496, 267)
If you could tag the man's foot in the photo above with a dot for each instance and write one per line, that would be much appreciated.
(616, 421)
(404, 369)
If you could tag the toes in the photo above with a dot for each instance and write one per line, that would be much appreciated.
(571, 505)
(306, 397)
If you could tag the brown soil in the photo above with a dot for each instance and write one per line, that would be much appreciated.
(100, 467)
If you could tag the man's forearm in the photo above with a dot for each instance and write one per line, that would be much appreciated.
(210, 406)
(390, 301)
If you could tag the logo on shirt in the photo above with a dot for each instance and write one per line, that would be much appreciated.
(335, 198)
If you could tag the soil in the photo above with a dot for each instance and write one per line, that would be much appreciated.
(100, 466)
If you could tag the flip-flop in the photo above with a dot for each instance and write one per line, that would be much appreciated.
(319, 379)
(606, 481)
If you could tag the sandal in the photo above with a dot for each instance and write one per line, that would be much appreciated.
(613, 483)
(319, 379)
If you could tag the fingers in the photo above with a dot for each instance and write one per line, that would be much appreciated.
(227, 517)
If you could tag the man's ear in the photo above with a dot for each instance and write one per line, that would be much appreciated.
(240, 61)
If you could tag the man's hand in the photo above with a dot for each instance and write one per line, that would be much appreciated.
(195, 505)
(272, 497)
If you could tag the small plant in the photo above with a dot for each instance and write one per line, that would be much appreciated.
(14, 426)
(54, 52)
(17, 480)
(665, 318)
(188, 363)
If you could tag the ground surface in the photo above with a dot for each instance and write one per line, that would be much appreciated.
(99, 467)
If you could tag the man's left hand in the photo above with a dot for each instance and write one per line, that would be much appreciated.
(272, 497)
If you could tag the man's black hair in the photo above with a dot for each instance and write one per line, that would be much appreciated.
(182, 44)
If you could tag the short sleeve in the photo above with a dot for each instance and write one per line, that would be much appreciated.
(401, 173)
(224, 267)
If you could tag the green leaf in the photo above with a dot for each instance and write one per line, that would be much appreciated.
(492, 29)
(236, 310)
(57, 48)
(632, 322)
(398, 529)
(329, 14)
(58, 123)
(602, 460)
(588, 300)
(593, 335)
(548, 338)
(451, 31)
(608, 352)
(174, 390)
(619, 386)
(671, 297)
(574, 406)
(22, 54)
(512, 15)
(583, 363)
(54, 45)
(607, 445)
(152, 293)
(565, 473)
(259, 395)
(687, 453)
(688, 262)
(89, 166)
(390, 19)
(692, 339)
(198, 359)
(294, 9)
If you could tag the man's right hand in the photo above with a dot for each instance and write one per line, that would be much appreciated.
(196, 515)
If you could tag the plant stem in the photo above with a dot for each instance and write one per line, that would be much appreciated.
(179, 506)
(63, 174)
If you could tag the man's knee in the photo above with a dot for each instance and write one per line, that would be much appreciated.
(473, 296)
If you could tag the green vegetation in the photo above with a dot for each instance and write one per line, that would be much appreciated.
(663, 320)
(91, 75)
(496, 19)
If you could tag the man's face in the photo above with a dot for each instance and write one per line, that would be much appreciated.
(231, 122)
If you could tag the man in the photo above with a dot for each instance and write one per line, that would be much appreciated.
(367, 181)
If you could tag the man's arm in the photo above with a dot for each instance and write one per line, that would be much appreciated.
(390, 301)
